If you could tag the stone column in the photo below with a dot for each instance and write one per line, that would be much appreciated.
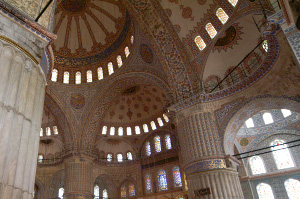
(204, 162)
(78, 181)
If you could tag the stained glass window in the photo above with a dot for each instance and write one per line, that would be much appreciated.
(292, 188)
(104, 193)
(109, 157)
(268, 118)
(41, 132)
(66, 77)
(157, 143)
(177, 177)
(264, 191)
(40, 158)
(166, 118)
(120, 157)
(48, 131)
(123, 191)
(162, 180)
(168, 142)
(89, 76)
(78, 78)
(153, 126)
(249, 123)
(200, 43)
(148, 183)
(110, 68)
(100, 73)
(129, 131)
(160, 122)
(145, 127)
(104, 130)
(127, 52)
(54, 75)
(61, 193)
(211, 30)
(281, 154)
(96, 192)
(233, 2)
(257, 165)
(120, 131)
(265, 45)
(132, 39)
(148, 148)
(112, 131)
(286, 112)
(55, 130)
(137, 130)
(131, 190)
(221, 14)
(129, 156)
(119, 60)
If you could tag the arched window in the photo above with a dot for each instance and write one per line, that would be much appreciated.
(148, 183)
(166, 118)
(41, 132)
(211, 30)
(120, 157)
(145, 127)
(104, 193)
(286, 112)
(100, 73)
(148, 148)
(265, 45)
(104, 130)
(177, 177)
(89, 76)
(160, 122)
(131, 190)
(96, 192)
(66, 77)
(282, 154)
(153, 126)
(162, 180)
(112, 131)
(168, 142)
(221, 14)
(268, 118)
(109, 157)
(120, 131)
(55, 130)
(233, 2)
(61, 192)
(157, 143)
(132, 39)
(110, 68)
(137, 130)
(40, 158)
(129, 156)
(200, 43)
(119, 60)
(264, 191)
(127, 52)
(78, 78)
(48, 131)
(54, 75)
(257, 165)
(292, 188)
(129, 131)
(123, 191)
(249, 123)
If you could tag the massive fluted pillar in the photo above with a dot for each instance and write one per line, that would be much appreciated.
(22, 87)
(204, 162)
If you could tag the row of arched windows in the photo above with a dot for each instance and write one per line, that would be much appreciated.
(137, 129)
(212, 32)
(162, 180)
(48, 131)
(97, 193)
(292, 187)
(119, 158)
(158, 145)
(281, 154)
